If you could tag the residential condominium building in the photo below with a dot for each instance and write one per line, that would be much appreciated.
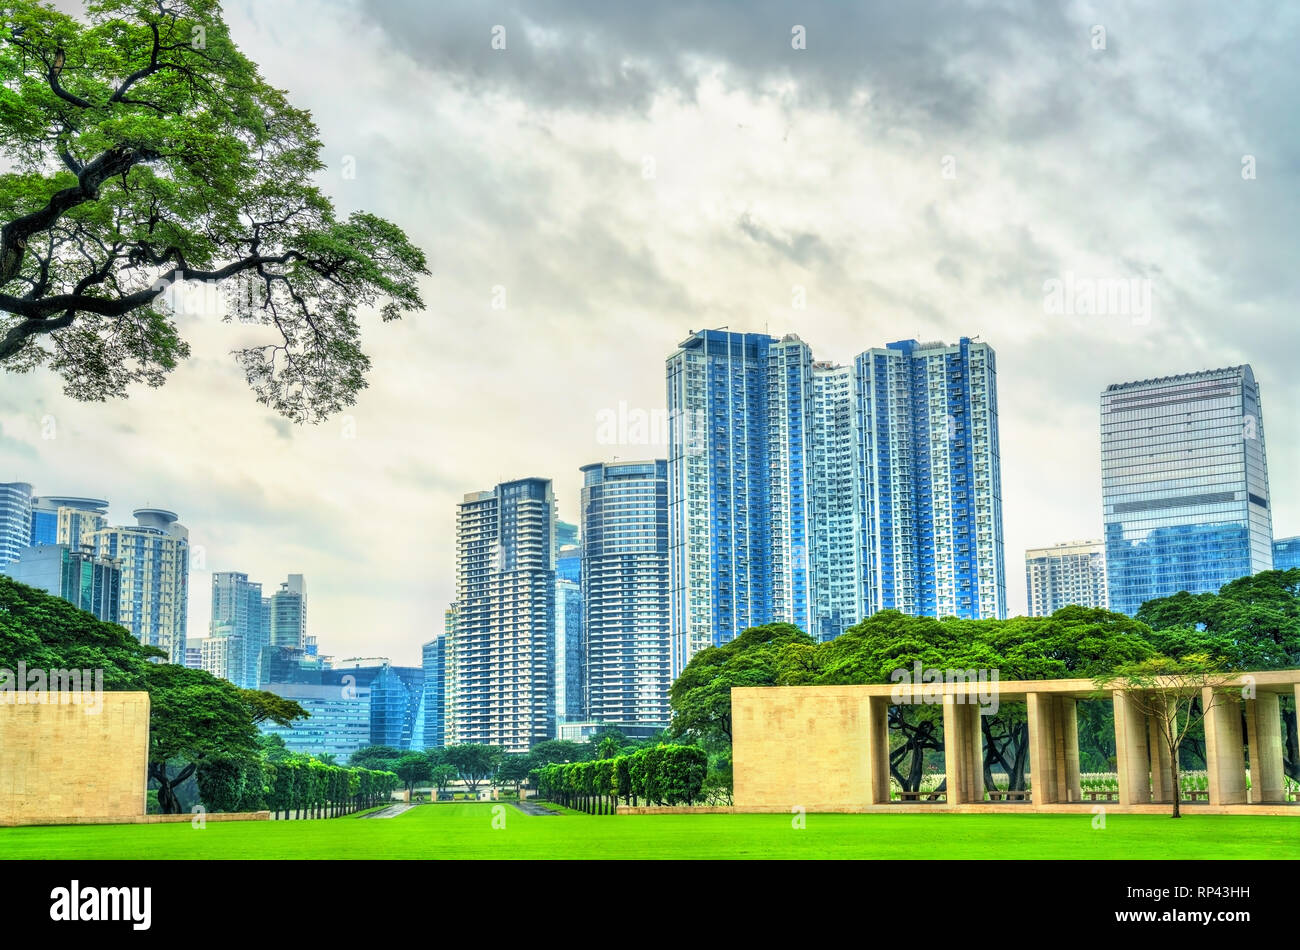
(58, 519)
(237, 616)
(625, 593)
(1065, 574)
(1184, 485)
(88, 582)
(154, 555)
(288, 609)
(816, 494)
(503, 650)
(15, 520)
(1286, 554)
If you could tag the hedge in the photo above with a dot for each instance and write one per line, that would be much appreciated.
(309, 788)
(657, 775)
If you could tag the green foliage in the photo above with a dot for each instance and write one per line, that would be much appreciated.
(143, 149)
(474, 763)
(662, 774)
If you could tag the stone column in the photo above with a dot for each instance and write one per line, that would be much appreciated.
(1053, 748)
(1224, 758)
(1264, 735)
(878, 749)
(1131, 749)
(963, 750)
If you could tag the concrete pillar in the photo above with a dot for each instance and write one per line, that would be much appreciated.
(878, 750)
(1132, 760)
(1162, 772)
(1069, 719)
(1264, 736)
(1224, 759)
(963, 750)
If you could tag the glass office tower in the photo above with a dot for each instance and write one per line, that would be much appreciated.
(1184, 485)
(15, 520)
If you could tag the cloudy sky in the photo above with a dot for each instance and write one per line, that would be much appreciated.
(618, 177)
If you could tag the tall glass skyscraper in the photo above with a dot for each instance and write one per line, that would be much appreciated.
(15, 520)
(237, 613)
(434, 662)
(503, 650)
(1184, 485)
(816, 494)
(625, 592)
(58, 519)
(154, 555)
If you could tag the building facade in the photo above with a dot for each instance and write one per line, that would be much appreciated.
(288, 610)
(1286, 554)
(88, 582)
(154, 555)
(237, 613)
(1065, 574)
(625, 593)
(504, 645)
(15, 520)
(816, 494)
(434, 662)
(1184, 485)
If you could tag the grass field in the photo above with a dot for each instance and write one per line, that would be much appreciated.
(466, 831)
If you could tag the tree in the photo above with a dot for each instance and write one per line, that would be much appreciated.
(442, 776)
(701, 696)
(194, 717)
(412, 769)
(381, 758)
(474, 763)
(513, 770)
(1169, 691)
(146, 151)
(268, 707)
(558, 750)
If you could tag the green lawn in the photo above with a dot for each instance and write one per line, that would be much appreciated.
(466, 831)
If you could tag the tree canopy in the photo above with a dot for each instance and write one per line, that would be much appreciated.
(146, 151)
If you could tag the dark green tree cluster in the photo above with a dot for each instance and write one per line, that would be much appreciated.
(656, 775)
(294, 786)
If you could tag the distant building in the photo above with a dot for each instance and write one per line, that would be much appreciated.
(809, 493)
(625, 593)
(449, 675)
(396, 698)
(434, 663)
(1185, 497)
(15, 520)
(1286, 554)
(194, 653)
(504, 646)
(88, 582)
(59, 519)
(289, 613)
(1065, 574)
(154, 555)
(339, 724)
(237, 614)
(570, 653)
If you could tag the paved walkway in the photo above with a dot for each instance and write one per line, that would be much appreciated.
(531, 808)
(392, 811)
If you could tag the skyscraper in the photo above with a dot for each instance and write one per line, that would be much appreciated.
(15, 520)
(1184, 484)
(58, 519)
(90, 583)
(625, 592)
(237, 613)
(434, 662)
(1065, 574)
(570, 654)
(504, 644)
(288, 611)
(815, 494)
(154, 555)
(929, 494)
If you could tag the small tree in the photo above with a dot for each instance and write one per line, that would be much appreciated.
(442, 776)
(1170, 691)
(413, 768)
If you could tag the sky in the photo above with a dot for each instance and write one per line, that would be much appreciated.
(619, 175)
